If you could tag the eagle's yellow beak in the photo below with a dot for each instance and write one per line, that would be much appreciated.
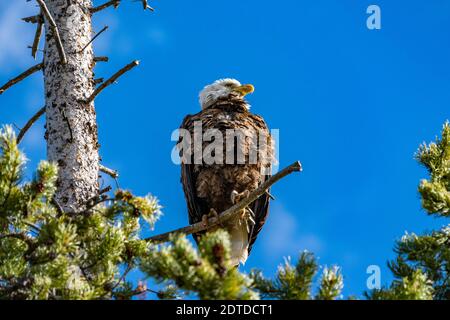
(244, 89)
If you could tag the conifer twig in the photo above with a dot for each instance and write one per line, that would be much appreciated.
(112, 173)
(37, 37)
(34, 19)
(111, 80)
(101, 59)
(29, 124)
(95, 37)
(232, 211)
(55, 31)
(21, 76)
(146, 6)
(108, 4)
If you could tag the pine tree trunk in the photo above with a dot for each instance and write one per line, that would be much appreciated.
(71, 128)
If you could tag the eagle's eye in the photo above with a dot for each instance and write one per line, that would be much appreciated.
(229, 85)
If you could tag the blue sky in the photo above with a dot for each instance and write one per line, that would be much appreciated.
(351, 104)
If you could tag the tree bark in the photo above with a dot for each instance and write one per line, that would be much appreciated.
(71, 127)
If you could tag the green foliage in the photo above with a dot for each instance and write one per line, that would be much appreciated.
(295, 282)
(48, 254)
(435, 157)
(208, 272)
(422, 266)
(414, 286)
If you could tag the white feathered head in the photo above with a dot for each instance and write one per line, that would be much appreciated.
(222, 89)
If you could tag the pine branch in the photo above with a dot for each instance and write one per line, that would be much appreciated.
(55, 31)
(30, 123)
(18, 236)
(37, 37)
(101, 59)
(112, 173)
(108, 4)
(231, 212)
(95, 37)
(34, 19)
(146, 6)
(111, 80)
(21, 76)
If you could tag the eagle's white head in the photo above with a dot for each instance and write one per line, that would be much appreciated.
(222, 89)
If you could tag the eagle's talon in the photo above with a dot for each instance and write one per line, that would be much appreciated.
(205, 220)
(233, 196)
(212, 214)
(237, 197)
(252, 214)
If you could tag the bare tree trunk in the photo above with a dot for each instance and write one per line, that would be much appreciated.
(71, 134)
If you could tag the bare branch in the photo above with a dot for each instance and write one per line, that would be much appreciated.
(108, 4)
(21, 76)
(111, 80)
(37, 37)
(112, 173)
(54, 28)
(101, 59)
(231, 212)
(146, 6)
(98, 33)
(29, 124)
(97, 199)
(34, 19)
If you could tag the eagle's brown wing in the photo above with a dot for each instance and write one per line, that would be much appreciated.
(196, 206)
(261, 209)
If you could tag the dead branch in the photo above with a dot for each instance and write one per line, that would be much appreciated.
(111, 80)
(97, 199)
(29, 124)
(54, 28)
(108, 4)
(146, 6)
(231, 212)
(112, 173)
(21, 76)
(34, 19)
(37, 37)
(98, 33)
(101, 59)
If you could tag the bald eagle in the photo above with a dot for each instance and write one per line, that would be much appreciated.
(239, 161)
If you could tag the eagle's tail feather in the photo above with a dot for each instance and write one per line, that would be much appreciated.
(239, 243)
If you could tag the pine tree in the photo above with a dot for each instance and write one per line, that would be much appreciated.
(422, 266)
(296, 282)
